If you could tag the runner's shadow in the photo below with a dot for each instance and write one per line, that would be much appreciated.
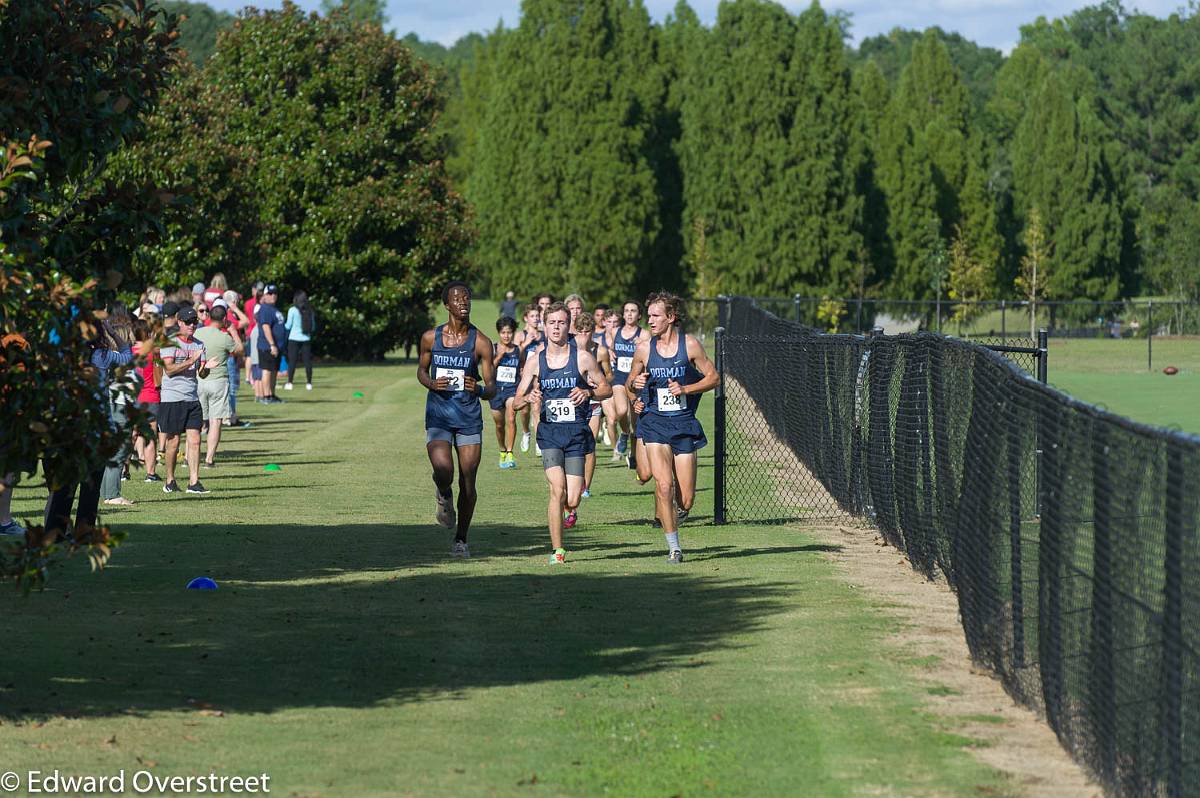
(349, 616)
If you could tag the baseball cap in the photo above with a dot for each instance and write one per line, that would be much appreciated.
(198, 288)
(271, 289)
(170, 308)
(220, 303)
(188, 315)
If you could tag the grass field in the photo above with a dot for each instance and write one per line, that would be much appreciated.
(346, 654)
(1113, 374)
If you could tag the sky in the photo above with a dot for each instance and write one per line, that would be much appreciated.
(992, 23)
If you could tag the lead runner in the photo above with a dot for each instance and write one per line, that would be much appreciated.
(564, 379)
(673, 369)
(461, 360)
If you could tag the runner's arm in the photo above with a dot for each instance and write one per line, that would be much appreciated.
(524, 395)
(601, 389)
(700, 360)
(424, 360)
(487, 370)
(636, 380)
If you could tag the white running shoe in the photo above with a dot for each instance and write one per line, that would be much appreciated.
(445, 509)
(537, 450)
(308, 387)
(461, 549)
(524, 441)
(607, 439)
(287, 387)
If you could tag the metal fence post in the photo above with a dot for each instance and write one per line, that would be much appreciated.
(1173, 660)
(1003, 321)
(1043, 375)
(722, 311)
(796, 304)
(719, 434)
(1150, 336)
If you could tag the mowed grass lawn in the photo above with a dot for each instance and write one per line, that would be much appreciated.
(347, 654)
(1114, 374)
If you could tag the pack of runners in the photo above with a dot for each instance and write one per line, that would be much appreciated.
(571, 377)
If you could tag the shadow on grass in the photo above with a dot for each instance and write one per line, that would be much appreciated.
(350, 616)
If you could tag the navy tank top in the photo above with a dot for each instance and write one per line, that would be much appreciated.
(556, 386)
(623, 351)
(454, 410)
(530, 347)
(508, 371)
(661, 371)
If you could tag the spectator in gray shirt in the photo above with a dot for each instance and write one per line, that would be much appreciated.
(179, 411)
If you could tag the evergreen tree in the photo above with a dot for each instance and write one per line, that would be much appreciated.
(767, 151)
(358, 12)
(877, 259)
(564, 180)
(1060, 166)
(199, 25)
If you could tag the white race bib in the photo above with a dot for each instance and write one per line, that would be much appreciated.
(454, 375)
(506, 374)
(559, 411)
(669, 403)
(625, 364)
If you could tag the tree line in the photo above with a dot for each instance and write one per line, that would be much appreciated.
(607, 153)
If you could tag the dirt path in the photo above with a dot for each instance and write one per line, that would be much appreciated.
(1013, 739)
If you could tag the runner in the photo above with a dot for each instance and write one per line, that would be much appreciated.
(560, 378)
(574, 303)
(531, 339)
(585, 340)
(543, 301)
(606, 407)
(461, 359)
(598, 314)
(507, 360)
(624, 344)
(674, 368)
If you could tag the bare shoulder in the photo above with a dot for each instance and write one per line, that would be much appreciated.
(427, 338)
(694, 347)
(643, 347)
(482, 341)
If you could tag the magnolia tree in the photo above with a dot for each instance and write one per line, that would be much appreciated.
(307, 155)
(76, 80)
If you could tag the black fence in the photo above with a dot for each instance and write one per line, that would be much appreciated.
(998, 321)
(1069, 534)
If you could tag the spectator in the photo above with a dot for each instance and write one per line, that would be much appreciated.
(272, 340)
(253, 372)
(119, 337)
(198, 295)
(240, 325)
(301, 323)
(220, 343)
(179, 412)
(107, 353)
(8, 527)
(509, 306)
(146, 449)
(170, 316)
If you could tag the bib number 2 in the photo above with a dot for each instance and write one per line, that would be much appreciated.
(670, 403)
(454, 375)
(560, 411)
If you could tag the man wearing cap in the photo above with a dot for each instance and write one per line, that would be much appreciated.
(272, 339)
(221, 342)
(198, 295)
(179, 411)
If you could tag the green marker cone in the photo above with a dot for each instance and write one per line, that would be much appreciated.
(271, 467)
(359, 394)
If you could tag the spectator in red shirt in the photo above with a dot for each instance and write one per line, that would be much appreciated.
(146, 449)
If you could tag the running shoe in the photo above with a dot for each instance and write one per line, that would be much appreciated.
(570, 520)
(287, 386)
(461, 550)
(308, 387)
(559, 557)
(616, 456)
(524, 441)
(445, 509)
(171, 487)
(503, 460)
(675, 557)
(622, 443)
(153, 478)
(512, 463)
(537, 449)
(587, 494)
(681, 515)
(656, 523)
(11, 529)
(607, 439)
(207, 464)
(198, 487)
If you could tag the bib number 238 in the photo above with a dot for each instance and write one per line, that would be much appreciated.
(669, 403)
(559, 411)
(454, 375)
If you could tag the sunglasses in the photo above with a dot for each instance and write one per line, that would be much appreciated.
(202, 310)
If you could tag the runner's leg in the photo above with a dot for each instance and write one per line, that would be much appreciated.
(468, 466)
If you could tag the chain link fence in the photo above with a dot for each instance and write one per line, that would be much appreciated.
(1069, 534)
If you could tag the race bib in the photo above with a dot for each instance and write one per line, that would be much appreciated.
(454, 375)
(669, 403)
(506, 374)
(625, 364)
(559, 411)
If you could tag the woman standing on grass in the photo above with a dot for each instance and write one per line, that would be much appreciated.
(301, 324)
(113, 351)
(146, 449)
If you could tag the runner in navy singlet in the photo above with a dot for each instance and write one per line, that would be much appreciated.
(529, 340)
(674, 370)
(455, 366)
(623, 345)
(564, 379)
(585, 339)
(506, 358)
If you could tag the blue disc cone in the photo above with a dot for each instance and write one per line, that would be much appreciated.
(202, 583)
